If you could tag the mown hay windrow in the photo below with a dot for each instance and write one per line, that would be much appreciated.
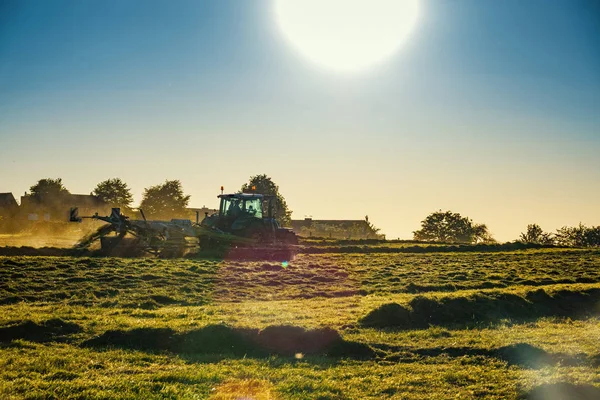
(525, 355)
(388, 315)
(289, 340)
(225, 340)
(217, 339)
(484, 308)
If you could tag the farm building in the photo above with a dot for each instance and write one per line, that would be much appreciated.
(8, 205)
(338, 229)
(56, 208)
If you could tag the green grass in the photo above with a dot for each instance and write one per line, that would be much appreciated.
(114, 282)
(73, 301)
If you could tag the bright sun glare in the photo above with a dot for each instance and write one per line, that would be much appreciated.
(346, 35)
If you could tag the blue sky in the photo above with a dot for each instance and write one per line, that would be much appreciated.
(491, 109)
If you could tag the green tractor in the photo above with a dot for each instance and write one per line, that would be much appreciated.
(244, 227)
(247, 216)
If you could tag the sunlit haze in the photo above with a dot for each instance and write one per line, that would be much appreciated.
(486, 108)
(345, 35)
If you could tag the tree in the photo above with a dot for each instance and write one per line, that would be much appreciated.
(578, 236)
(373, 231)
(536, 235)
(49, 188)
(115, 193)
(449, 227)
(481, 234)
(264, 185)
(165, 201)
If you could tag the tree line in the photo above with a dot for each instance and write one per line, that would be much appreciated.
(163, 201)
(449, 227)
(574, 236)
(168, 200)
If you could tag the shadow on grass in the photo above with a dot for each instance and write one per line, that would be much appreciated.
(563, 391)
(225, 341)
(520, 354)
(216, 342)
(52, 330)
(484, 308)
(322, 346)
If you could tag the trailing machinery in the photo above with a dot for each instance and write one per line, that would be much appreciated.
(243, 227)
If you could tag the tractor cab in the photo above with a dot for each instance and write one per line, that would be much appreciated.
(245, 205)
(249, 215)
(244, 214)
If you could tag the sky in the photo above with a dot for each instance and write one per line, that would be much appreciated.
(490, 109)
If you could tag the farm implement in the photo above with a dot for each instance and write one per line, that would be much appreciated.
(244, 227)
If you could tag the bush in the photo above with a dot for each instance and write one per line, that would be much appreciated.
(448, 227)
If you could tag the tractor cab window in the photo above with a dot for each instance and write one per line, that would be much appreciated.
(253, 207)
(231, 207)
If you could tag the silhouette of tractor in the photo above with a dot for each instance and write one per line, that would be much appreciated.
(247, 215)
(244, 227)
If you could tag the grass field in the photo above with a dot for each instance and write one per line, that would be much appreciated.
(345, 325)
(24, 239)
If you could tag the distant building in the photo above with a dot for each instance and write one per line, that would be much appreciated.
(8, 205)
(337, 229)
(200, 213)
(56, 208)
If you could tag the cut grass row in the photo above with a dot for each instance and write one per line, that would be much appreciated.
(349, 316)
(94, 349)
(69, 370)
(152, 283)
(222, 341)
(65, 371)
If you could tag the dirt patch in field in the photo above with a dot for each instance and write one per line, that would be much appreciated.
(239, 342)
(563, 391)
(47, 331)
(484, 308)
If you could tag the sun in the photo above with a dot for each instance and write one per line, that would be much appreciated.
(346, 35)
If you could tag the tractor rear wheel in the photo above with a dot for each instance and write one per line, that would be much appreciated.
(290, 238)
(258, 236)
